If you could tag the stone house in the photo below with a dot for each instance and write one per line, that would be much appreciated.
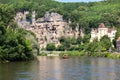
(101, 31)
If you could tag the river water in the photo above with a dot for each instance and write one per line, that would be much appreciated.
(56, 68)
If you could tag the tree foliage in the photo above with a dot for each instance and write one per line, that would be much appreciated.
(14, 44)
(105, 43)
(88, 15)
(50, 47)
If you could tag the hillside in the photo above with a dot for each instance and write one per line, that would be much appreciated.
(88, 15)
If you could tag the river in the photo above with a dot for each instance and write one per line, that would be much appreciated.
(56, 68)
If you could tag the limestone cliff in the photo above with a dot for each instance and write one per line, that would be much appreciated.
(49, 28)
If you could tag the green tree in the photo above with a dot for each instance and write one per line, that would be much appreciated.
(86, 38)
(61, 48)
(50, 47)
(73, 41)
(92, 47)
(14, 44)
(105, 43)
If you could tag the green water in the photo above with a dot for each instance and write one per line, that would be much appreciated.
(56, 68)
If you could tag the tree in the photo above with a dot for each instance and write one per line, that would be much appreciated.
(7, 13)
(73, 41)
(61, 48)
(14, 44)
(86, 38)
(50, 47)
(79, 40)
(105, 43)
(93, 46)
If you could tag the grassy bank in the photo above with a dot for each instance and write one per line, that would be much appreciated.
(92, 54)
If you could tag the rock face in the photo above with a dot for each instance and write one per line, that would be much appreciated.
(50, 17)
(49, 28)
(21, 20)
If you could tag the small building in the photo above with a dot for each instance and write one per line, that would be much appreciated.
(101, 31)
(118, 44)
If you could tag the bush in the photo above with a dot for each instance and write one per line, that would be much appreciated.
(43, 54)
(50, 47)
(60, 48)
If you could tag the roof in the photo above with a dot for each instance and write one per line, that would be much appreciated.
(110, 30)
(102, 25)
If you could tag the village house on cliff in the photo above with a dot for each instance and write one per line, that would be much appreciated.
(101, 31)
(49, 28)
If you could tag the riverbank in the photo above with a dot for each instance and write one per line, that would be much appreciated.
(20, 60)
(76, 53)
(82, 53)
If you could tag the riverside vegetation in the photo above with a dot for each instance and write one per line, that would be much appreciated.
(84, 54)
(18, 44)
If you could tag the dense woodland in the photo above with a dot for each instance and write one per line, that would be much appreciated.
(88, 15)
(13, 44)
(16, 44)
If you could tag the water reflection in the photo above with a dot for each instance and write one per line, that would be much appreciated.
(56, 68)
(50, 68)
(105, 69)
(79, 69)
(18, 71)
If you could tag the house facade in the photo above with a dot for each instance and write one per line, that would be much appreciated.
(102, 31)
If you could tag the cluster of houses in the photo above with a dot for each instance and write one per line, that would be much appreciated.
(51, 27)
(101, 31)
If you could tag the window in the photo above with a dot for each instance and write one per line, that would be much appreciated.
(113, 33)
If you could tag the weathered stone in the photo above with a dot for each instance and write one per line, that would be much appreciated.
(49, 28)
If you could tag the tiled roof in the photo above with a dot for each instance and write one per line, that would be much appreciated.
(102, 25)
